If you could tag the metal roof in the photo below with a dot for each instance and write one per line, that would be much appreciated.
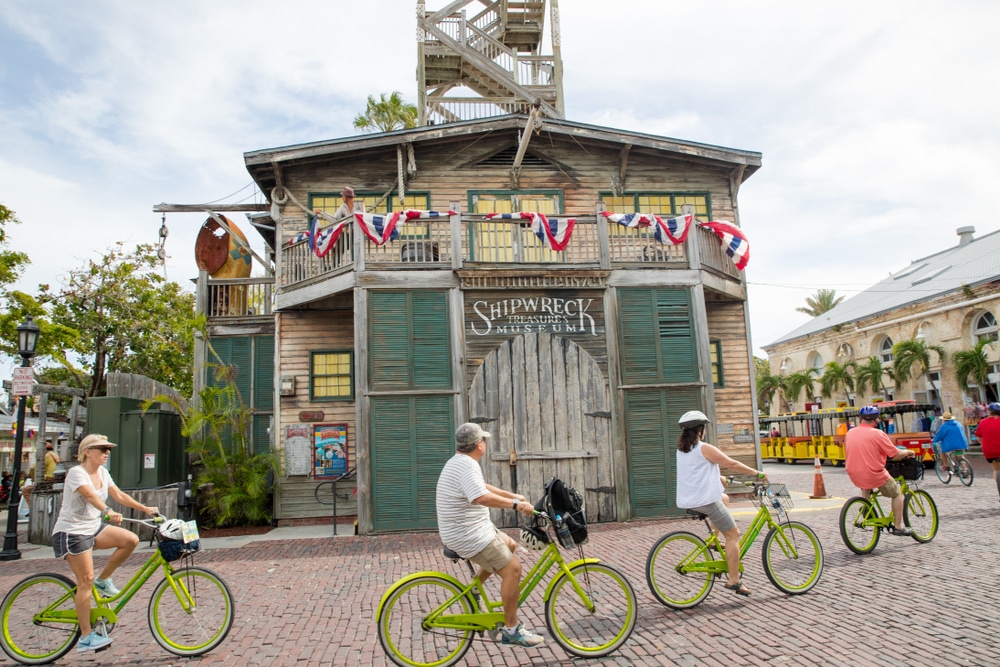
(968, 264)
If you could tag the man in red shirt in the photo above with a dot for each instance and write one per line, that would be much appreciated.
(866, 450)
(988, 433)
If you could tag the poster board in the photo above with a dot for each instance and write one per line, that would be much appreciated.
(329, 450)
(298, 445)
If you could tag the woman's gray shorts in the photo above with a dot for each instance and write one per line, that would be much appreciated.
(64, 544)
(719, 515)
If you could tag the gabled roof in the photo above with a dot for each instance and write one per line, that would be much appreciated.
(260, 162)
(971, 264)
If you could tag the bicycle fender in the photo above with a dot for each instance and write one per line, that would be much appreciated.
(410, 577)
(569, 566)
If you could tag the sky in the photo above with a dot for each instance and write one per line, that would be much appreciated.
(877, 121)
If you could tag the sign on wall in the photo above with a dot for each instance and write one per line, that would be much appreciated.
(330, 450)
(298, 448)
(580, 315)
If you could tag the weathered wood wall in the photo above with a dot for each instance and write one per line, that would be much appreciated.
(299, 334)
(733, 406)
(44, 508)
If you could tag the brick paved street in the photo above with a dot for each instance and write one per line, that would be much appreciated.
(312, 601)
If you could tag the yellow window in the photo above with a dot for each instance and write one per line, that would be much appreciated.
(331, 376)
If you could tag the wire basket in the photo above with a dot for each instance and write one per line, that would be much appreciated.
(770, 494)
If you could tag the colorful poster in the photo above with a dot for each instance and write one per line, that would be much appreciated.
(329, 450)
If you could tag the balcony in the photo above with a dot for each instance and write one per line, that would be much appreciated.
(472, 242)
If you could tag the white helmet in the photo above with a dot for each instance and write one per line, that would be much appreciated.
(692, 419)
(534, 539)
(173, 529)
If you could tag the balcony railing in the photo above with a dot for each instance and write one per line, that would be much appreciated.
(240, 297)
(428, 244)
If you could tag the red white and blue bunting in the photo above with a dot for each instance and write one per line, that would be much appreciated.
(734, 242)
(379, 228)
(554, 233)
(675, 230)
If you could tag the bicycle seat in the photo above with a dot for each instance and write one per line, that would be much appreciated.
(448, 553)
(695, 514)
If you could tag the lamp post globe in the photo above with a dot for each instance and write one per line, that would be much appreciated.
(27, 342)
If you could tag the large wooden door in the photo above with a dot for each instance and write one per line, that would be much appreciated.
(545, 397)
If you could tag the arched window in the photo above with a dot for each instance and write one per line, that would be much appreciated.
(984, 326)
(816, 361)
(885, 350)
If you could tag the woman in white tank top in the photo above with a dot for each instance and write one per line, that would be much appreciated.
(700, 487)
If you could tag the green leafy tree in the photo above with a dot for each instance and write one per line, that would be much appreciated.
(907, 354)
(118, 314)
(837, 377)
(974, 365)
(233, 483)
(800, 380)
(769, 387)
(820, 302)
(870, 373)
(386, 114)
(14, 305)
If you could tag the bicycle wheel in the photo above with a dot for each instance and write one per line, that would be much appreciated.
(942, 474)
(401, 629)
(920, 513)
(792, 557)
(667, 582)
(855, 525)
(599, 630)
(964, 470)
(194, 619)
(26, 635)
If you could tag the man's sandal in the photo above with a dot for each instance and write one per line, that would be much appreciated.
(738, 588)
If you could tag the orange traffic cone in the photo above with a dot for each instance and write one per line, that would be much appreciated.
(819, 488)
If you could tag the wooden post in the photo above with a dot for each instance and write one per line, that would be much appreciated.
(43, 408)
(200, 378)
(362, 408)
(457, 254)
(603, 238)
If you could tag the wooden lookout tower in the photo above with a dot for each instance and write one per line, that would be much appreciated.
(478, 59)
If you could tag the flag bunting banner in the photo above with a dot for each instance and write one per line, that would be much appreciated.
(673, 230)
(379, 228)
(734, 243)
(411, 214)
(554, 233)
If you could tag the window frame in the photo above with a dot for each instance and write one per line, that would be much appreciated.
(313, 375)
(406, 232)
(989, 332)
(715, 350)
(881, 346)
(636, 195)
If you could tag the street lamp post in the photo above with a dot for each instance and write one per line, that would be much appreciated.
(27, 341)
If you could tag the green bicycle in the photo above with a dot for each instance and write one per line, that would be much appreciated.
(681, 567)
(429, 619)
(863, 520)
(190, 611)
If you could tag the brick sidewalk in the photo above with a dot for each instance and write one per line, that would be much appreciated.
(312, 601)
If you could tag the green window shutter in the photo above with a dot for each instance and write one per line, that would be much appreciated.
(409, 345)
(242, 367)
(411, 438)
(224, 351)
(263, 386)
(652, 431)
(675, 325)
(389, 340)
(261, 439)
(431, 346)
(639, 349)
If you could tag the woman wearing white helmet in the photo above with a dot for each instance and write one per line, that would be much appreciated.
(700, 487)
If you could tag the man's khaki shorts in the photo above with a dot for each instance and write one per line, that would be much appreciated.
(495, 556)
(890, 489)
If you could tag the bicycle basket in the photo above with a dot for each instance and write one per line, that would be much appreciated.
(771, 493)
(909, 469)
(172, 548)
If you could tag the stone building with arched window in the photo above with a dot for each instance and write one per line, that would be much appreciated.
(949, 300)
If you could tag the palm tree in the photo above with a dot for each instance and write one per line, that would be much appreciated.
(838, 377)
(769, 386)
(820, 302)
(800, 380)
(973, 364)
(386, 115)
(909, 353)
(870, 373)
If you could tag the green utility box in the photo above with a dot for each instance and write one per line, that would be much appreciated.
(150, 451)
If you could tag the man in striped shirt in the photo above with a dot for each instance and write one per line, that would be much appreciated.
(463, 502)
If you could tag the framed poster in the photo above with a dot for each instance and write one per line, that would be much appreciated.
(298, 444)
(329, 450)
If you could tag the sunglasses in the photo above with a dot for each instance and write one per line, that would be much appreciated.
(103, 450)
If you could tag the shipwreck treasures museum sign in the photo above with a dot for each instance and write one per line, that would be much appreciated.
(576, 314)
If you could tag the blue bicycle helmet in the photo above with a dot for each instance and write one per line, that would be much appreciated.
(994, 407)
(868, 411)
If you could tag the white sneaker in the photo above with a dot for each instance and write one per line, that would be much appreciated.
(521, 636)
(95, 641)
(106, 587)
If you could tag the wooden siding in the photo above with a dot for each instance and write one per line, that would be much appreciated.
(733, 402)
(299, 333)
